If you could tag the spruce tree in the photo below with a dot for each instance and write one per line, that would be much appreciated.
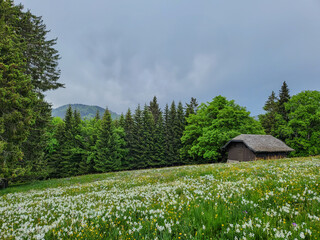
(284, 97)
(41, 64)
(97, 117)
(33, 147)
(155, 109)
(180, 125)
(54, 153)
(191, 107)
(17, 101)
(269, 119)
(92, 129)
(173, 156)
(108, 157)
(138, 141)
(159, 159)
(130, 140)
(67, 145)
(166, 133)
(147, 158)
(121, 121)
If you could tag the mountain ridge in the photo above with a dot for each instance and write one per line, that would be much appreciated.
(86, 111)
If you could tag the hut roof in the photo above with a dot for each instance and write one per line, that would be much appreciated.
(261, 143)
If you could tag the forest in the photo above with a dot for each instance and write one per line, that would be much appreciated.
(35, 146)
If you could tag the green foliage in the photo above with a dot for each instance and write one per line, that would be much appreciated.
(214, 124)
(129, 139)
(137, 147)
(303, 129)
(155, 109)
(269, 119)
(276, 117)
(284, 97)
(17, 100)
(29, 67)
(109, 146)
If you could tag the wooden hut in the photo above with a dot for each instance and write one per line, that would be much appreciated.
(249, 147)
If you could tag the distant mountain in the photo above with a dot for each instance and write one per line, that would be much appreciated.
(86, 111)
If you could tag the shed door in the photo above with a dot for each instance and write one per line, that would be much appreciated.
(240, 152)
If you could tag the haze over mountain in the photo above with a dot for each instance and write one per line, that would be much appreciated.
(86, 111)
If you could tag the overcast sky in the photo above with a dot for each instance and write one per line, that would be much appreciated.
(119, 53)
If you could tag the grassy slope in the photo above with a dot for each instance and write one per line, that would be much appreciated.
(256, 200)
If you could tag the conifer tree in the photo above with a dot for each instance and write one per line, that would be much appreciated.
(121, 120)
(191, 107)
(148, 130)
(33, 147)
(166, 132)
(159, 159)
(67, 144)
(130, 140)
(173, 153)
(269, 120)
(54, 148)
(108, 157)
(40, 63)
(284, 97)
(158, 135)
(92, 131)
(17, 101)
(97, 117)
(78, 153)
(155, 109)
(137, 145)
(179, 129)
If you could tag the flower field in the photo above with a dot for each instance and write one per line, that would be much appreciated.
(277, 199)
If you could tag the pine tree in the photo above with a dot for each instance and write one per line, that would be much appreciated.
(41, 64)
(92, 131)
(155, 109)
(148, 130)
(108, 157)
(284, 97)
(41, 56)
(191, 107)
(17, 101)
(66, 168)
(97, 117)
(54, 148)
(159, 159)
(172, 125)
(137, 148)
(78, 153)
(129, 139)
(269, 120)
(179, 130)
(166, 133)
(121, 121)
(33, 147)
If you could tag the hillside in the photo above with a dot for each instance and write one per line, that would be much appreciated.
(277, 199)
(86, 111)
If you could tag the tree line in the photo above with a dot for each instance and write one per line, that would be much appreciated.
(146, 138)
(179, 135)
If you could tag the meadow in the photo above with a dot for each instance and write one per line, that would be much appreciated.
(278, 199)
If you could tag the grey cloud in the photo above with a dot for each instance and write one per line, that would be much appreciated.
(121, 53)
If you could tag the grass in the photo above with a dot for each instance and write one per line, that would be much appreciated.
(276, 199)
